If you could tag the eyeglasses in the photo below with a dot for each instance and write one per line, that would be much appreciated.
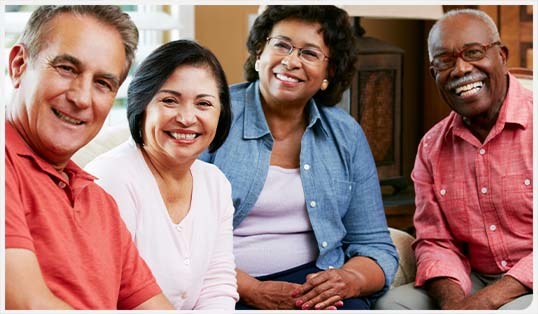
(283, 47)
(474, 52)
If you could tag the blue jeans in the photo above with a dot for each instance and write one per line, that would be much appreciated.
(298, 275)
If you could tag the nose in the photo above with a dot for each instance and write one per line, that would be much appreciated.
(292, 60)
(461, 67)
(186, 115)
(80, 92)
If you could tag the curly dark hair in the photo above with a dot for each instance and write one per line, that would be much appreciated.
(338, 35)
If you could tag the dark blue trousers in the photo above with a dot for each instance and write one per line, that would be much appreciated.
(298, 275)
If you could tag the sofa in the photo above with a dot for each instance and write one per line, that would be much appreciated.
(110, 137)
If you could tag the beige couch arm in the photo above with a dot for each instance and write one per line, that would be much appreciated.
(104, 141)
(407, 266)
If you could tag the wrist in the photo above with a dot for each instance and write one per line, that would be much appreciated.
(354, 281)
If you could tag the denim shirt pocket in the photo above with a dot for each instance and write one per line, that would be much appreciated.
(517, 202)
(451, 198)
(343, 190)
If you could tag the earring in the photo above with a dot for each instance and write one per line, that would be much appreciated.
(324, 84)
(257, 65)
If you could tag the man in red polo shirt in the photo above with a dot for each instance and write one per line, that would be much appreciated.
(66, 245)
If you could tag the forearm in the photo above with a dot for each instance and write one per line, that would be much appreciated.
(246, 285)
(444, 291)
(25, 287)
(368, 275)
(501, 292)
(45, 301)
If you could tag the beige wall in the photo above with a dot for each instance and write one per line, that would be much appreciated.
(224, 30)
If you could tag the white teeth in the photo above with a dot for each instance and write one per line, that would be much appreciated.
(283, 77)
(183, 136)
(66, 118)
(469, 89)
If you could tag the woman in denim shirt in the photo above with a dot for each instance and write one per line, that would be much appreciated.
(309, 227)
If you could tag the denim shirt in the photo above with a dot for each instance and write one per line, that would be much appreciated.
(338, 173)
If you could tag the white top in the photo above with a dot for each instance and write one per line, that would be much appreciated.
(191, 261)
(277, 234)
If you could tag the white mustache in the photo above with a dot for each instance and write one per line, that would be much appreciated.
(465, 80)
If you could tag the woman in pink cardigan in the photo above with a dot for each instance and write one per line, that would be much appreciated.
(178, 209)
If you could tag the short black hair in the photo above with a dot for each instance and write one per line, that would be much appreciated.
(338, 35)
(153, 72)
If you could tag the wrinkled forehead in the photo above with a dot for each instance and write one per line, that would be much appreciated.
(458, 31)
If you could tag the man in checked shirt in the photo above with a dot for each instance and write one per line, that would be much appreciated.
(473, 178)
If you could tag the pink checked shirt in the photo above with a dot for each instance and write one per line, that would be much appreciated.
(474, 200)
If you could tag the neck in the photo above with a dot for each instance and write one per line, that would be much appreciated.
(481, 125)
(284, 120)
(169, 173)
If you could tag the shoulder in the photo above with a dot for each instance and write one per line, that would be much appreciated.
(435, 138)
(208, 172)
(115, 162)
(239, 88)
(343, 127)
(239, 97)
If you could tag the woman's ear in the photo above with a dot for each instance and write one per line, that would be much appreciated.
(18, 62)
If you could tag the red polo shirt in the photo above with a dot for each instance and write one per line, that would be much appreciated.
(84, 250)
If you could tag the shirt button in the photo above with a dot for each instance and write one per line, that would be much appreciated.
(187, 262)
(484, 190)
(62, 184)
(527, 182)
(482, 151)
(306, 167)
(178, 228)
(313, 204)
(324, 244)
(492, 227)
(184, 295)
(504, 263)
(443, 192)
(425, 144)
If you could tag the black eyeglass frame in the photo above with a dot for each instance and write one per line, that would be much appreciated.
(460, 54)
(300, 50)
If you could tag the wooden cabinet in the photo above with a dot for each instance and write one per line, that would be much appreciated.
(376, 103)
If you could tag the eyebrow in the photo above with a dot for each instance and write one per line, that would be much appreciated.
(445, 51)
(307, 45)
(178, 94)
(76, 62)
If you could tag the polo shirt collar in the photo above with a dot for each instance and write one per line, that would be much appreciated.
(18, 146)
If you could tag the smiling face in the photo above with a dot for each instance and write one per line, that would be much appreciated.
(297, 82)
(181, 119)
(64, 94)
(474, 89)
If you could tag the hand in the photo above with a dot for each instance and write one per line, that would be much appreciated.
(273, 295)
(327, 289)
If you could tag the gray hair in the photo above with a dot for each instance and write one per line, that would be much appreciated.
(477, 13)
(38, 25)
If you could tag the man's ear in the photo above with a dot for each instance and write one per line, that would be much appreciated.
(504, 54)
(432, 72)
(18, 62)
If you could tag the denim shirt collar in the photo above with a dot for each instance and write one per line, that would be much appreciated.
(255, 124)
